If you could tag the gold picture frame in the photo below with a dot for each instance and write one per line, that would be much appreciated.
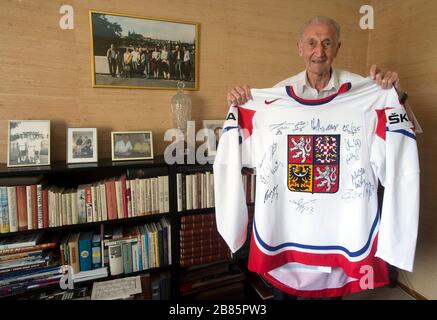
(130, 51)
(131, 145)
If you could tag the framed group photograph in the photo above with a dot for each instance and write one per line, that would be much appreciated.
(28, 143)
(132, 145)
(81, 145)
(214, 130)
(131, 51)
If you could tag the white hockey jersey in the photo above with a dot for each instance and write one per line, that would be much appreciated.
(317, 229)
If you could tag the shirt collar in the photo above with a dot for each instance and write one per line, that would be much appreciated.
(332, 84)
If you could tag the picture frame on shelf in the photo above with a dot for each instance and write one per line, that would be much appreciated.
(82, 145)
(132, 145)
(130, 51)
(213, 132)
(28, 143)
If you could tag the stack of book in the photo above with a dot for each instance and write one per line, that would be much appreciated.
(82, 251)
(200, 241)
(195, 191)
(27, 207)
(137, 248)
(27, 261)
(220, 280)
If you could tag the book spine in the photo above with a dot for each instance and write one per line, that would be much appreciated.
(115, 259)
(166, 194)
(22, 208)
(197, 218)
(81, 205)
(12, 209)
(67, 204)
(124, 196)
(4, 210)
(45, 208)
(204, 231)
(129, 198)
(74, 208)
(119, 199)
(141, 197)
(95, 213)
(103, 202)
(189, 191)
(89, 204)
(198, 225)
(29, 207)
(51, 207)
(41, 246)
(160, 194)
(98, 203)
(85, 254)
(207, 190)
(39, 206)
(127, 257)
(194, 191)
(133, 191)
(96, 254)
(203, 250)
(179, 191)
(34, 200)
(206, 259)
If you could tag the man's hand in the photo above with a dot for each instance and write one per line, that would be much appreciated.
(385, 79)
(239, 95)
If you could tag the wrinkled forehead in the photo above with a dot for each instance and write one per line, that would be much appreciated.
(319, 30)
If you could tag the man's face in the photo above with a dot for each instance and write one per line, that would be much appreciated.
(318, 47)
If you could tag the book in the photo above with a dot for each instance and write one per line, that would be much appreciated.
(115, 259)
(85, 253)
(96, 249)
(20, 241)
(22, 208)
(73, 250)
(74, 208)
(127, 257)
(4, 210)
(12, 209)
(81, 204)
(89, 203)
(46, 241)
(40, 211)
(205, 259)
(34, 202)
(29, 207)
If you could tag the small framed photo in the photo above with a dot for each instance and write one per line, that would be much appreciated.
(81, 145)
(132, 145)
(213, 131)
(28, 143)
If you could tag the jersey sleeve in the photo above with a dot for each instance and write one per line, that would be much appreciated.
(394, 157)
(233, 152)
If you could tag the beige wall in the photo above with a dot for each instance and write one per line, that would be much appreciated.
(404, 40)
(46, 71)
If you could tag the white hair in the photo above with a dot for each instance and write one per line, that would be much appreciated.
(323, 19)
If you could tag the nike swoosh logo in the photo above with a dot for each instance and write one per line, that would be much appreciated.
(271, 101)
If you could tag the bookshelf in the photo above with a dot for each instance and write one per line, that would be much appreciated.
(67, 176)
(71, 176)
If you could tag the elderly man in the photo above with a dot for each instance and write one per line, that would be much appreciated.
(318, 46)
